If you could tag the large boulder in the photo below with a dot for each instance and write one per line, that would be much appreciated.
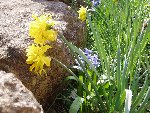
(15, 16)
(15, 97)
(71, 2)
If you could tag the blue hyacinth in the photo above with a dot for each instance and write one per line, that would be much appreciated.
(91, 56)
(95, 2)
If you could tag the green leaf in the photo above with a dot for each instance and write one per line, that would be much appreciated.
(140, 96)
(146, 98)
(106, 84)
(99, 44)
(71, 78)
(75, 106)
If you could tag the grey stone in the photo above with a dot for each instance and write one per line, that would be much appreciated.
(70, 2)
(15, 97)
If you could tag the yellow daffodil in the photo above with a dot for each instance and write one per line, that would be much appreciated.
(48, 35)
(82, 13)
(37, 58)
(39, 29)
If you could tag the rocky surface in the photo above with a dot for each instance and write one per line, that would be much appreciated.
(15, 97)
(69, 2)
(15, 16)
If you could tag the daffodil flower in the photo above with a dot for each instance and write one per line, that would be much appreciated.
(82, 13)
(37, 58)
(39, 29)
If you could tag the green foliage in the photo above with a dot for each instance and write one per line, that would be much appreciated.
(121, 34)
(76, 105)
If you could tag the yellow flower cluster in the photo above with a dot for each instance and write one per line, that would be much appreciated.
(82, 13)
(41, 30)
(37, 58)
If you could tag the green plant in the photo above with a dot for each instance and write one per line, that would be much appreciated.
(121, 40)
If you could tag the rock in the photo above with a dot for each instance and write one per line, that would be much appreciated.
(15, 97)
(70, 2)
(14, 39)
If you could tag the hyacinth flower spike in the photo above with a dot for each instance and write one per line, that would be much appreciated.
(95, 2)
(91, 56)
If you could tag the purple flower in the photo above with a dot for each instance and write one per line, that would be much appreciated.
(91, 56)
(95, 61)
(87, 51)
(95, 2)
